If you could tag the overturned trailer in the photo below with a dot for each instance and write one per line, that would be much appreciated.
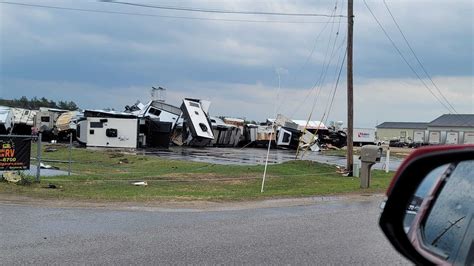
(225, 134)
(6, 120)
(157, 110)
(67, 123)
(156, 121)
(196, 128)
(23, 121)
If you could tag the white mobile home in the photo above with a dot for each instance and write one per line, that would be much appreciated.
(108, 129)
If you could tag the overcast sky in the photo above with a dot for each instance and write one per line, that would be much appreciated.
(104, 60)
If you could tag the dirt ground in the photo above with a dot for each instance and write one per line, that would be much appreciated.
(190, 206)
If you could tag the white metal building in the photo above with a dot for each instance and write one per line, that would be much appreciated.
(452, 129)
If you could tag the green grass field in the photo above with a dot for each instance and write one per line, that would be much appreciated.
(106, 176)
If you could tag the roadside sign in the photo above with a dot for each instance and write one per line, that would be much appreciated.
(15, 152)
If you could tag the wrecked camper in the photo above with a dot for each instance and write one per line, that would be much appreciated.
(45, 121)
(156, 122)
(196, 127)
(67, 123)
(225, 134)
(156, 110)
(6, 120)
(23, 121)
(108, 129)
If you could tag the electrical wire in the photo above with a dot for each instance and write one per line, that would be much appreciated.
(159, 16)
(319, 85)
(202, 10)
(404, 58)
(328, 111)
(316, 87)
(310, 55)
(416, 57)
(337, 83)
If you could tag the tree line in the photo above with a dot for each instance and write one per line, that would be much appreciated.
(35, 103)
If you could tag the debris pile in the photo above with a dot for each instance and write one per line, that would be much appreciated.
(158, 125)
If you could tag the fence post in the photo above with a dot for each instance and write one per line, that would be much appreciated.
(38, 157)
(70, 154)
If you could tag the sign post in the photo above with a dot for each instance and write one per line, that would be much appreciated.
(38, 157)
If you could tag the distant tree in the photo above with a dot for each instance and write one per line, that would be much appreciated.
(44, 102)
(36, 103)
(23, 102)
(63, 105)
(72, 106)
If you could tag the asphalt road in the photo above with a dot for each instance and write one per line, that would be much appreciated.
(339, 231)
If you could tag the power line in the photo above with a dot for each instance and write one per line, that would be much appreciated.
(336, 86)
(404, 59)
(313, 49)
(160, 16)
(417, 59)
(202, 10)
(317, 86)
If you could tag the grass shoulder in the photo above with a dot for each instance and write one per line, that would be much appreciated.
(106, 175)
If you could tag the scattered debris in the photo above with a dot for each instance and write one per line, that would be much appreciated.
(12, 177)
(140, 183)
(123, 161)
(47, 166)
(51, 186)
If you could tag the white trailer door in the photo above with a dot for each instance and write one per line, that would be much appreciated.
(419, 136)
(434, 137)
(452, 137)
(468, 138)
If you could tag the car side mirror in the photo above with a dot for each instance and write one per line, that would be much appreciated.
(428, 216)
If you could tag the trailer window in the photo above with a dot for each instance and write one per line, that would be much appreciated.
(203, 127)
(194, 104)
(111, 132)
(45, 119)
(96, 125)
(154, 111)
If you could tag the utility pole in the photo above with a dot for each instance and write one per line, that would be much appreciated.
(350, 88)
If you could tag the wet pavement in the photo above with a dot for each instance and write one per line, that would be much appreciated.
(334, 232)
(253, 156)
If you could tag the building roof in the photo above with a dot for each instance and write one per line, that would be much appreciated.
(403, 125)
(453, 120)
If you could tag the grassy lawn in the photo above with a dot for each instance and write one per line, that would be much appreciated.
(106, 176)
